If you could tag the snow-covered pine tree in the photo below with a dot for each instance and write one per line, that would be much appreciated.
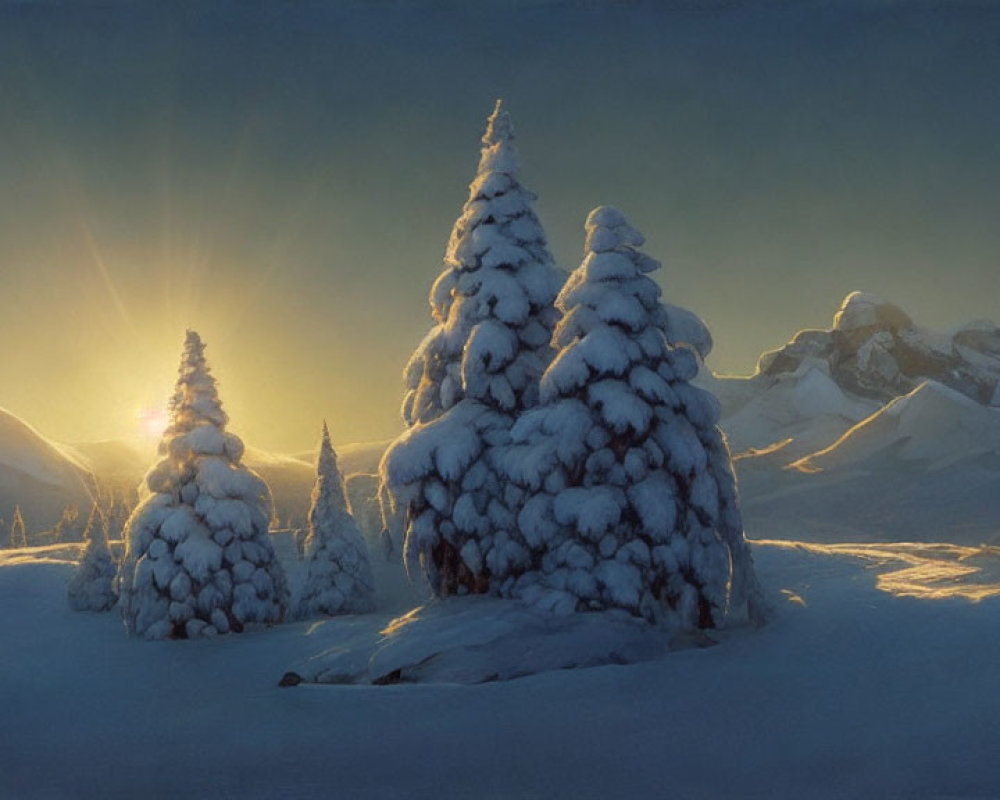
(4, 534)
(18, 533)
(70, 527)
(632, 502)
(393, 516)
(339, 578)
(92, 587)
(388, 545)
(472, 375)
(116, 515)
(198, 558)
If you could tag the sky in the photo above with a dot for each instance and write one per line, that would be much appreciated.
(283, 178)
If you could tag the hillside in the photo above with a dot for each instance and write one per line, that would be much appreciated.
(933, 426)
(38, 475)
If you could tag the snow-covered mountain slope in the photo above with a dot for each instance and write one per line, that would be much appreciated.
(110, 459)
(851, 691)
(959, 503)
(926, 467)
(933, 426)
(289, 478)
(805, 406)
(875, 350)
(808, 393)
(39, 475)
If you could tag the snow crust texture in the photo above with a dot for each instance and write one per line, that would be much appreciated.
(473, 374)
(623, 480)
(92, 587)
(198, 558)
(339, 575)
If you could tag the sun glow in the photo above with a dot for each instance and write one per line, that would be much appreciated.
(152, 422)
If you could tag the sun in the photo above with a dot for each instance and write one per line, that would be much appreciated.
(152, 422)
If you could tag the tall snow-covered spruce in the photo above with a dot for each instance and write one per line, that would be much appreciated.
(630, 499)
(18, 532)
(472, 375)
(92, 586)
(339, 578)
(198, 558)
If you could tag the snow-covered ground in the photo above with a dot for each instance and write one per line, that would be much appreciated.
(875, 678)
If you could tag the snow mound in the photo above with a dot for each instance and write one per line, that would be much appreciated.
(478, 639)
(39, 475)
(933, 425)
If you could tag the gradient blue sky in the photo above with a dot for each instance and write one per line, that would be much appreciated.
(284, 176)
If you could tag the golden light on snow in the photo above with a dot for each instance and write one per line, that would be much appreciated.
(152, 422)
(929, 571)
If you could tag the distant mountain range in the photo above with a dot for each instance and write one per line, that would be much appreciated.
(43, 477)
(874, 350)
(875, 428)
(824, 382)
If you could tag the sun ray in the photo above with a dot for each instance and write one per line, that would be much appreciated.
(102, 270)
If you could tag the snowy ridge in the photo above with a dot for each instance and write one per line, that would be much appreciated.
(933, 425)
(110, 460)
(805, 405)
(38, 475)
(813, 390)
(289, 476)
